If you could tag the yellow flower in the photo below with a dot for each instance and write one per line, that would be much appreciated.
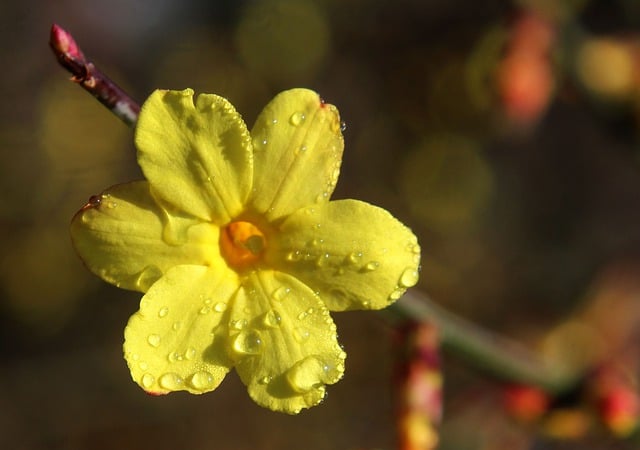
(238, 249)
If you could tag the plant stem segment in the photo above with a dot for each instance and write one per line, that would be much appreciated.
(501, 357)
(87, 75)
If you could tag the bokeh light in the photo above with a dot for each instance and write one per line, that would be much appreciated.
(283, 40)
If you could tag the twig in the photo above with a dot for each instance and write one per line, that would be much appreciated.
(502, 357)
(87, 75)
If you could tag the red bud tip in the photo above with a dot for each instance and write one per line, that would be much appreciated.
(63, 43)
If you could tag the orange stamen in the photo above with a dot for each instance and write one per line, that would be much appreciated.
(241, 244)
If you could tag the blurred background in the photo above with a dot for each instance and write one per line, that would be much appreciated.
(504, 132)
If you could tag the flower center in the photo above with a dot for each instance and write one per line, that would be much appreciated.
(241, 244)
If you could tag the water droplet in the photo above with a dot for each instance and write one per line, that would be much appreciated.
(303, 315)
(147, 380)
(173, 357)
(172, 232)
(310, 311)
(409, 277)
(343, 126)
(162, 312)
(171, 381)
(111, 205)
(205, 310)
(95, 200)
(147, 276)
(265, 380)
(296, 118)
(271, 319)
(274, 121)
(220, 307)
(201, 380)
(293, 256)
(280, 293)
(322, 197)
(395, 295)
(247, 342)
(153, 340)
(354, 258)
(371, 266)
(143, 365)
(301, 334)
(238, 324)
(306, 375)
(323, 260)
(190, 353)
(176, 326)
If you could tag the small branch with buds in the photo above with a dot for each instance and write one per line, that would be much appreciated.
(87, 75)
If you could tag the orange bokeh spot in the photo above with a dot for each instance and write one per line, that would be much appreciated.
(241, 244)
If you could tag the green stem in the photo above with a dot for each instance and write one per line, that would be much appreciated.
(495, 354)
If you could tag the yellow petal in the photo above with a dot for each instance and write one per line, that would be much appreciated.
(283, 342)
(176, 341)
(297, 153)
(197, 157)
(356, 255)
(127, 238)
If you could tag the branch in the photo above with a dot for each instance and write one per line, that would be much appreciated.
(502, 357)
(87, 75)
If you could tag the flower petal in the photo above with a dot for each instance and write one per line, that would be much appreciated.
(283, 342)
(356, 255)
(197, 157)
(297, 152)
(127, 238)
(176, 341)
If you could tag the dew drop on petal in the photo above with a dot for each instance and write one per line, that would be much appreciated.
(190, 353)
(396, 294)
(153, 340)
(176, 326)
(201, 380)
(238, 324)
(301, 334)
(409, 277)
(247, 343)
(162, 312)
(219, 307)
(294, 256)
(371, 266)
(280, 293)
(147, 276)
(271, 319)
(265, 380)
(147, 380)
(296, 118)
(171, 381)
(306, 375)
